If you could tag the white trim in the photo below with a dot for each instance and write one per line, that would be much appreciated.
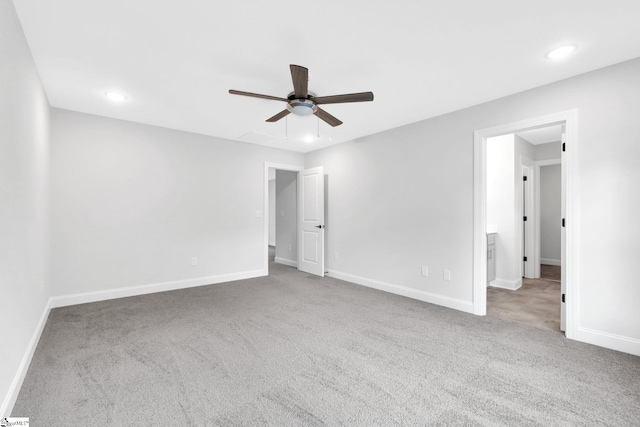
(607, 340)
(272, 244)
(265, 203)
(85, 297)
(454, 303)
(289, 262)
(18, 379)
(570, 119)
(479, 224)
(512, 285)
(547, 261)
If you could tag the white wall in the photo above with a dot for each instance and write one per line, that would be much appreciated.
(132, 204)
(523, 148)
(24, 205)
(501, 163)
(548, 151)
(550, 214)
(505, 155)
(286, 217)
(404, 198)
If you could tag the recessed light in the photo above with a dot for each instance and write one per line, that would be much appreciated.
(115, 96)
(561, 52)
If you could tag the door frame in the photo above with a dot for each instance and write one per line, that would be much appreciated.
(265, 245)
(528, 227)
(570, 265)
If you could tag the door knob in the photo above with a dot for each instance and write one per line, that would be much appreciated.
(319, 226)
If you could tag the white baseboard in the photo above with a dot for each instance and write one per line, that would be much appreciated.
(456, 304)
(547, 261)
(18, 379)
(85, 297)
(512, 285)
(289, 262)
(607, 340)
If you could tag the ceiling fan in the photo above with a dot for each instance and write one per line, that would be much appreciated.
(301, 102)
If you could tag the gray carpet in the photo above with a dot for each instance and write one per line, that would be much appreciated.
(293, 350)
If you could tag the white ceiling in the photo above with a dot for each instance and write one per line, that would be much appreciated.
(542, 135)
(176, 61)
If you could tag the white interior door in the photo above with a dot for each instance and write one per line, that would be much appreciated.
(311, 221)
(563, 235)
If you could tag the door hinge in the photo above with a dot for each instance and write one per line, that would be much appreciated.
(563, 222)
(524, 218)
(563, 298)
(524, 178)
(524, 258)
(564, 146)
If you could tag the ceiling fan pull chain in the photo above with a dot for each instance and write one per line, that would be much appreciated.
(286, 128)
(318, 127)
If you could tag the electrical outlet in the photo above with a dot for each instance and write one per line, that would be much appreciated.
(194, 260)
(290, 248)
(281, 213)
(335, 255)
(425, 270)
(446, 275)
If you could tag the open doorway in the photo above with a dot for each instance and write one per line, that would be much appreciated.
(569, 146)
(281, 211)
(515, 201)
(549, 218)
(283, 217)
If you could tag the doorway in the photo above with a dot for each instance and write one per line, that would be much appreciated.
(271, 213)
(513, 215)
(299, 211)
(569, 289)
(283, 216)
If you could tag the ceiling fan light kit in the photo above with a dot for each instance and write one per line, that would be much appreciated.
(302, 107)
(302, 103)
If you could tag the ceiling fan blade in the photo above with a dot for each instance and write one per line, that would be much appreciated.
(278, 116)
(300, 77)
(327, 117)
(257, 95)
(348, 97)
